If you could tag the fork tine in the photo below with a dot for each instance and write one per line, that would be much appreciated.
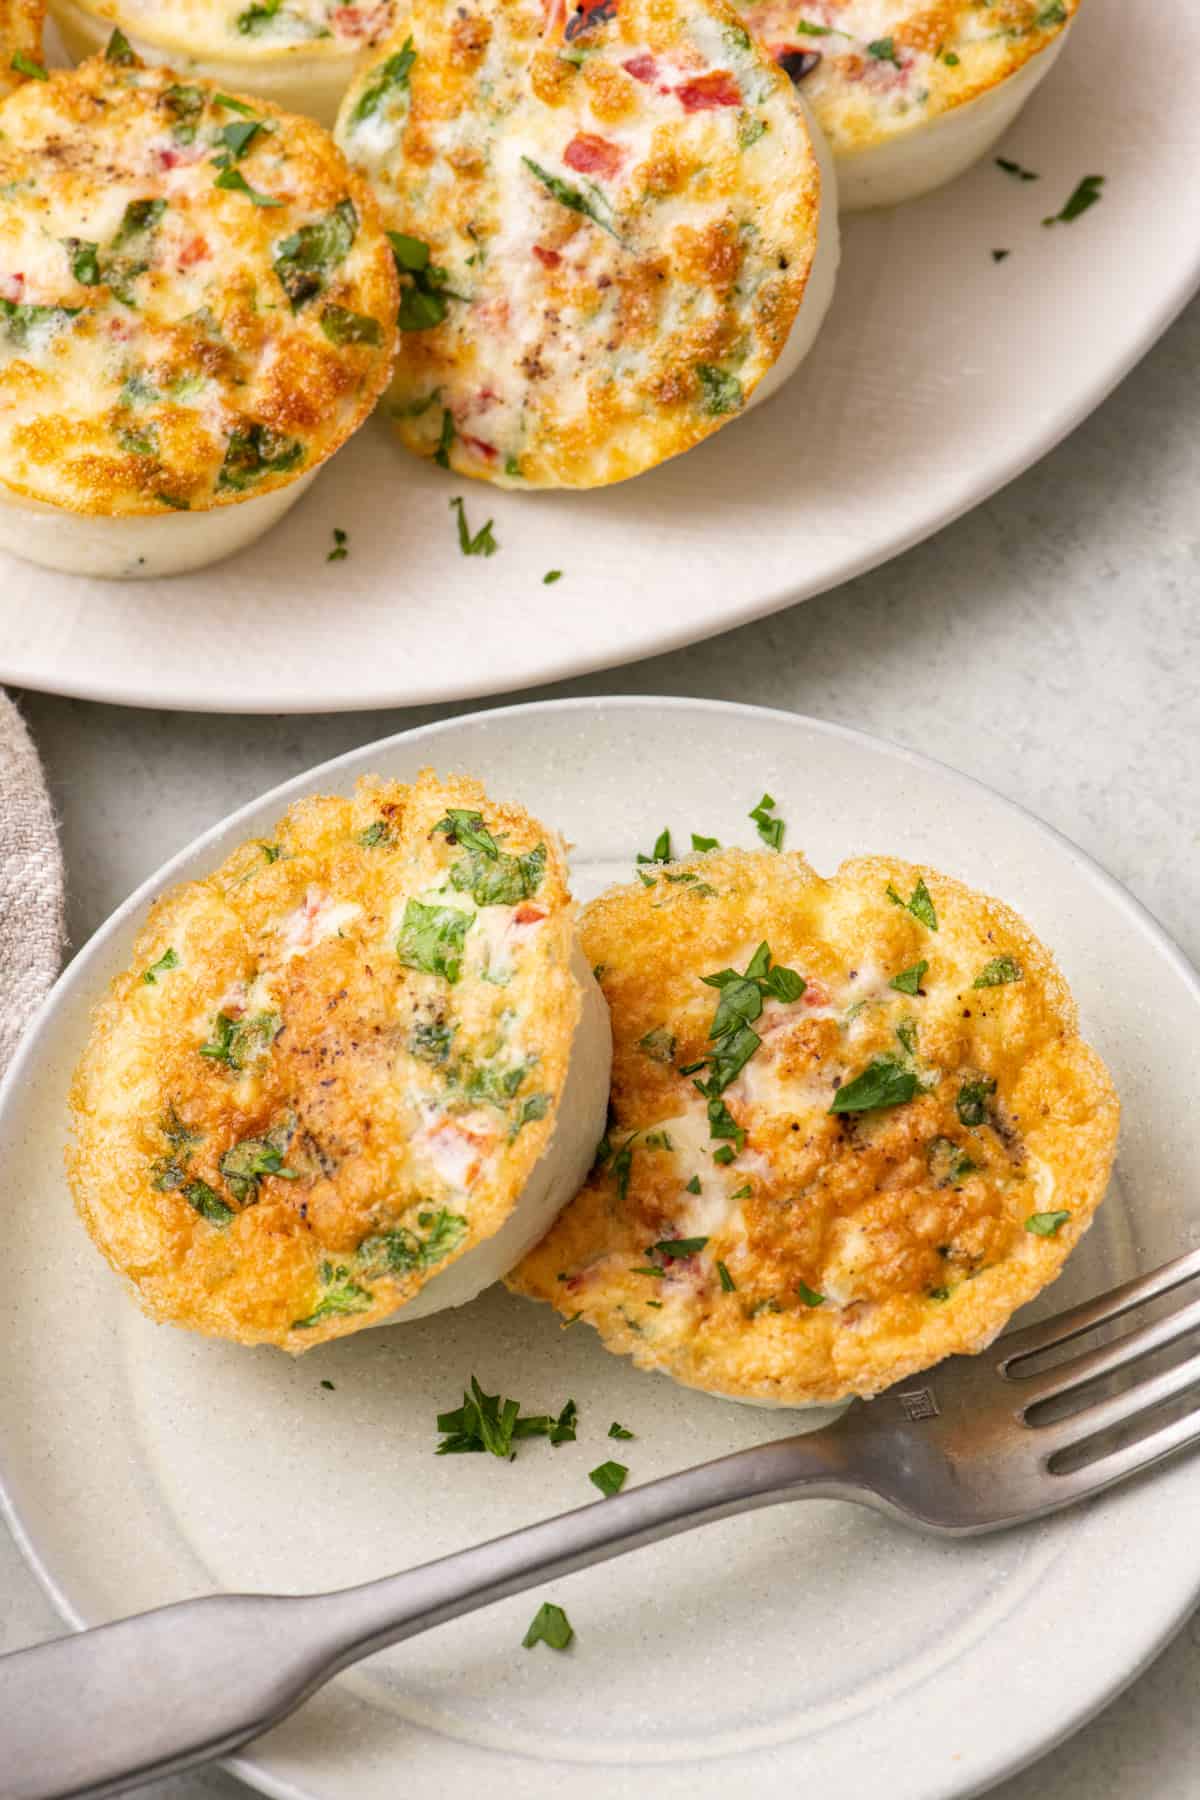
(1117, 1409)
(1107, 1470)
(1077, 1319)
(1066, 1377)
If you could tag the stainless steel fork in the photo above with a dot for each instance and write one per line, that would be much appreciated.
(977, 1444)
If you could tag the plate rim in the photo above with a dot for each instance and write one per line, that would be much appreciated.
(1153, 1639)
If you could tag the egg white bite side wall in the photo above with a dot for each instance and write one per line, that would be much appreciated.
(822, 277)
(299, 79)
(555, 1178)
(910, 164)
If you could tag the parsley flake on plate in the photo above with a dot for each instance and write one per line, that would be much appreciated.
(609, 1477)
(483, 543)
(550, 1626)
(1084, 196)
(618, 1431)
(770, 829)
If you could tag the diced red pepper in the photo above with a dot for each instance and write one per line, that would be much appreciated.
(527, 914)
(193, 252)
(549, 259)
(717, 88)
(488, 450)
(592, 155)
(642, 68)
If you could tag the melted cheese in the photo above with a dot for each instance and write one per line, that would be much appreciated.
(612, 231)
(854, 1200)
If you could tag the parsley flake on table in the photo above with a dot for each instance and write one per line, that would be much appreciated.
(618, 1431)
(1015, 170)
(551, 576)
(485, 1422)
(340, 550)
(609, 1477)
(483, 543)
(550, 1625)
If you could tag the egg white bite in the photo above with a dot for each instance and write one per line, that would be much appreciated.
(611, 225)
(197, 308)
(21, 23)
(299, 54)
(853, 1127)
(349, 1077)
(910, 93)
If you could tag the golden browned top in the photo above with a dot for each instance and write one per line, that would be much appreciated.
(21, 23)
(875, 69)
(331, 1065)
(858, 1152)
(197, 300)
(606, 218)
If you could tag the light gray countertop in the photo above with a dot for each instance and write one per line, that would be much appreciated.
(1048, 643)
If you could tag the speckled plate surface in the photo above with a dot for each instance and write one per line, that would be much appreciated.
(939, 375)
(815, 1648)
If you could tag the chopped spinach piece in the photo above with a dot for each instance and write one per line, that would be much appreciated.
(884, 1082)
(208, 1204)
(341, 1297)
(23, 324)
(343, 327)
(592, 205)
(972, 1102)
(233, 179)
(720, 392)
(391, 78)
(884, 50)
(305, 259)
(948, 1164)
(249, 1161)
(254, 451)
(658, 1045)
(400, 1251)
(468, 829)
(502, 880)
(376, 833)
(431, 939)
(235, 1042)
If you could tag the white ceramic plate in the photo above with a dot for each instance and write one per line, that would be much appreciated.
(939, 375)
(814, 1648)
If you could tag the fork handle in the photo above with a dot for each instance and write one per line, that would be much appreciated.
(104, 1710)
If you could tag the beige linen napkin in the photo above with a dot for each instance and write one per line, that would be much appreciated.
(31, 882)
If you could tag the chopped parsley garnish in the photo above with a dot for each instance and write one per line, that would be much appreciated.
(609, 1477)
(675, 1249)
(727, 1281)
(237, 139)
(920, 905)
(809, 1295)
(168, 960)
(884, 1082)
(740, 1004)
(341, 1297)
(492, 876)
(1015, 170)
(344, 327)
(550, 1626)
(948, 1164)
(618, 1431)
(391, 79)
(720, 392)
(467, 828)
(400, 1251)
(722, 1124)
(254, 451)
(431, 939)
(305, 259)
(661, 852)
(233, 179)
(25, 65)
(658, 1045)
(235, 1042)
(533, 1107)
(908, 981)
(770, 830)
(339, 553)
(884, 50)
(998, 973)
(85, 261)
(592, 205)
(119, 50)
(971, 1104)
(551, 576)
(483, 543)
(486, 1423)
(1084, 196)
(185, 105)
(693, 1186)
(1046, 1224)
(704, 843)
(250, 1161)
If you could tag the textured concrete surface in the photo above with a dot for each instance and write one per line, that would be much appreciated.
(1049, 643)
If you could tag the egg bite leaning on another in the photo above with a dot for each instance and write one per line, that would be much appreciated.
(611, 224)
(299, 54)
(21, 24)
(853, 1128)
(197, 308)
(910, 93)
(348, 1078)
